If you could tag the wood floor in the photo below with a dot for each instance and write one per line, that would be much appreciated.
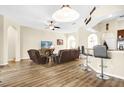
(26, 74)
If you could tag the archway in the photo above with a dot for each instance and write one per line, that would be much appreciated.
(92, 40)
(71, 42)
(12, 37)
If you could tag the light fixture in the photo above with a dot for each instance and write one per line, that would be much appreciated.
(65, 14)
(51, 27)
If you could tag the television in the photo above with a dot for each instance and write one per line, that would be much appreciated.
(46, 44)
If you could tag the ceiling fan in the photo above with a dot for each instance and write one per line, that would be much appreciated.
(51, 25)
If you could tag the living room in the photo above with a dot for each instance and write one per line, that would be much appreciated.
(38, 50)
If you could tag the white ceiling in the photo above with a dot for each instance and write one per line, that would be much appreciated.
(37, 15)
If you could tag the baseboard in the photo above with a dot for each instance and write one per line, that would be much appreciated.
(120, 77)
(24, 58)
(3, 64)
(11, 60)
(112, 75)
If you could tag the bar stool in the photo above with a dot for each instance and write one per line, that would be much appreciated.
(85, 66)
(100, 51)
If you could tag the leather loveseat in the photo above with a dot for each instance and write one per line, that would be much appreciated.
(66, 55)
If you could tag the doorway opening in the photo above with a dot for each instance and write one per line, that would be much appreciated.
(92, 40)
(12, 37)
(71, 42)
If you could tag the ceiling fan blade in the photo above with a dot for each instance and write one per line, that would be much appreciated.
(57, 27)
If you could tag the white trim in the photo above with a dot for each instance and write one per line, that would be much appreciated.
(120, 77)
(24, 58)
(116, 76)
(3, 64)
(17, 60)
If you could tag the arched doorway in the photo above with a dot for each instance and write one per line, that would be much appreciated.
(92, 40)
(71, 42)
(12, 37)
(11, 43)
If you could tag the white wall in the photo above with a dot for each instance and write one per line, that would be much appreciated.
(76, 37)
(31, 39)
(1, 39)
(83, 37)
(114, 26)
(5, 23)
(9, 23)
(11, 43)
(83, 34)
(115, 64)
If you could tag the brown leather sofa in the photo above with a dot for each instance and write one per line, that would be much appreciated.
(66, 55)
(36, 57)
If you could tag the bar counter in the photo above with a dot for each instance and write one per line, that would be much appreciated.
(113, 67)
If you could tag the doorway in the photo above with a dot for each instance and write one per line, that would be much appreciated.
(12, 37)
(71, 42)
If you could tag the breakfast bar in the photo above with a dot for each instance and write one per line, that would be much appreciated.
(112, 67)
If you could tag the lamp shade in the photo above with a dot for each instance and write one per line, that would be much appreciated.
(65, 14)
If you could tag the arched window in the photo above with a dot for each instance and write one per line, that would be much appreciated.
(71, 42)
(92, 40)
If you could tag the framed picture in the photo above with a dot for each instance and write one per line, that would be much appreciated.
(59, 42)
(46, 44)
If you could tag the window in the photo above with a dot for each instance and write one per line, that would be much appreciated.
(92, 40)
(71, 42)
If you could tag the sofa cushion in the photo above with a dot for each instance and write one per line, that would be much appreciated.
(67, 55)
